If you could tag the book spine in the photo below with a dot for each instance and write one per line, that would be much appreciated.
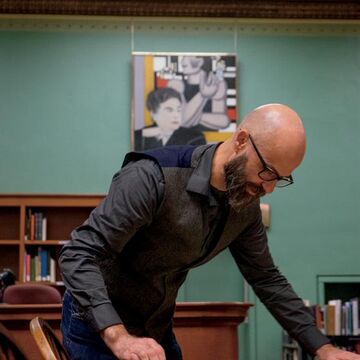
(52, 270)
(27, 224)
(43, 264)
(44, 229)
(28, 267)
(32, 268)
(47, 265)
(37, 268)
(32, 227)
(338, 312)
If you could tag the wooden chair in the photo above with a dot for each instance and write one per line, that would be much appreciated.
(9, 350)
(49, 345)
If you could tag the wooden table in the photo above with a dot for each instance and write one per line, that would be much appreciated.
(205, 330)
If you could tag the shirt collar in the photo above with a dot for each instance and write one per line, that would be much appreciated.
(199, 181)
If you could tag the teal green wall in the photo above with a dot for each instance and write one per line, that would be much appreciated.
(65, 95)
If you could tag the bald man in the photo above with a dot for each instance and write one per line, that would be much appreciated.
(168, 211)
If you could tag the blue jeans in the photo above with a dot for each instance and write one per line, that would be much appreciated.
(83, 343)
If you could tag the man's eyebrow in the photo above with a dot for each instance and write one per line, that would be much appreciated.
(271, 167)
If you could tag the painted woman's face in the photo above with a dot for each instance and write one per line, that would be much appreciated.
(168, 116)
(191, 64)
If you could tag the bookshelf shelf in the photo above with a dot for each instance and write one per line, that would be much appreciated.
(45, 242)
(63, 213)
(9, 242)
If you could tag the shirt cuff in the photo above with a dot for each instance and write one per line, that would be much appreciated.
(312, 339)
(103, 316)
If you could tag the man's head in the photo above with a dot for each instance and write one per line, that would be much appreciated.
(165, 107)
(265, 149)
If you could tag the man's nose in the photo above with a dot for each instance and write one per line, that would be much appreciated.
(269, 186)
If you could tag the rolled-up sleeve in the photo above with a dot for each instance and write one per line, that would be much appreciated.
(134, 197)
(252, 255)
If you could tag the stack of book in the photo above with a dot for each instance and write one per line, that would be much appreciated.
(36, 225)
(39, 267)
(338, 318)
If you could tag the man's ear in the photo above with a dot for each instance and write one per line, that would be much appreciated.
(241, 138)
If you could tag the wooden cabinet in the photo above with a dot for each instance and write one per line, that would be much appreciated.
(208, 330)
(16, 318)
(17, 250)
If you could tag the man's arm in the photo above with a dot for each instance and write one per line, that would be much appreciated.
(133, 199)
(253, 257)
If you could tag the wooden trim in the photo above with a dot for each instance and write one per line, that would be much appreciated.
(196, 313)
(48, 200)
(29, 311)
(271, 9)
(44, 196)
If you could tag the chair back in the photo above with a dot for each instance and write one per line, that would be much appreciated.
(9, 350)
(48, 343)
(31, 294)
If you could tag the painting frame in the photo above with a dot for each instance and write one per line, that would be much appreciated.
(183, 98)
(240, 9)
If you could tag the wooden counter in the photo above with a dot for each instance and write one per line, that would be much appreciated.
(205, 330)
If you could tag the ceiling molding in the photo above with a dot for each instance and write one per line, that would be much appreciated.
(271, 9)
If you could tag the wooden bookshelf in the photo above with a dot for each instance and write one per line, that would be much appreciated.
(63, 214)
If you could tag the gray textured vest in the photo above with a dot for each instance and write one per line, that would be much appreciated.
(144, 279)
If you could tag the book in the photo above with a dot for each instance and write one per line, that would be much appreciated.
(44, 229)
(52, 270)
(318, 316)
(32, 226)
(38, 225)
(27, 267)
(27, 224)
(337, 317)
(37, 267)
(42, 255)
(355, 315)
(330, 319)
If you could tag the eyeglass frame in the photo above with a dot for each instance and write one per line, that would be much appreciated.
(288, 179)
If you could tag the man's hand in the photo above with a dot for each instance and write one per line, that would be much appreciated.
(128, 347)
(329, 352)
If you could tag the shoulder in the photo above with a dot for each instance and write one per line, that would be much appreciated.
(139, 170)
(172, 156)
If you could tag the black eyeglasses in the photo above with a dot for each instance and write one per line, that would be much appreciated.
(268, 174)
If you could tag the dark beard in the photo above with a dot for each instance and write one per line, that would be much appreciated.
(236, 184)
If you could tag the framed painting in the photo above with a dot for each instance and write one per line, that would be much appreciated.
(183, 99)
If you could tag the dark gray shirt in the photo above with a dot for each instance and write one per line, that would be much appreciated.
(161, 221)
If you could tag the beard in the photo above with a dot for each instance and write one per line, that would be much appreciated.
(236, 184)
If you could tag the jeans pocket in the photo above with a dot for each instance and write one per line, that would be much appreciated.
(73, 324)
(80, 339)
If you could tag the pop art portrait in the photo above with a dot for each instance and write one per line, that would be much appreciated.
(183, 99)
